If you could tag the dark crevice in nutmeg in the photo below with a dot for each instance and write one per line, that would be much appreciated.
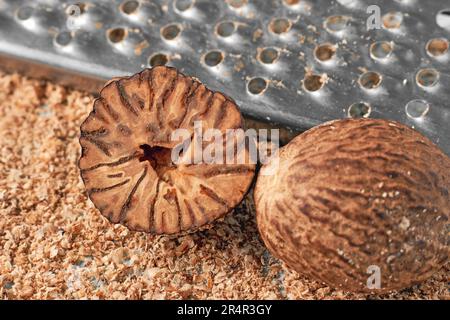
(160, 158)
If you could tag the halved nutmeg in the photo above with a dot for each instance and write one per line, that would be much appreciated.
(359, 204)
(140, 148)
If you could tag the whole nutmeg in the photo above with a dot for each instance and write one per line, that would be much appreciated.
(127, 162)
(359, 204)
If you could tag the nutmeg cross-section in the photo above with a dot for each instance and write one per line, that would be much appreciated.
(127, 153)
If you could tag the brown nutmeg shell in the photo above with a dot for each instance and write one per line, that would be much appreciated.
(357, 198)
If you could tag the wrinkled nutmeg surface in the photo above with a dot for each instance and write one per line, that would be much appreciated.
(126, 162)
(351, 196)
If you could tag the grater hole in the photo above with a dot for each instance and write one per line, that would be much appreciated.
(237, 3)
(184, 5)
(370, 80)
(129, 7)
(437, 47)
(392, 20)
(381, 50)
(291, 2)
(336, 23)
(346, 2)
(158, 59)
(324, 52)
(427, 77)
(417, 109)
(117, 35)
(313, 82)
(257, 86)
(25, 13)
(443, 19)
(280, 25)
(213, 58)
(359, 110)
(225, 29)
(268, 55)
(63, 38)
(171, 31)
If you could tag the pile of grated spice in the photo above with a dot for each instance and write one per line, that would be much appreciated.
(55, 245)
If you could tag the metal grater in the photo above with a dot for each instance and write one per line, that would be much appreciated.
(290, 63)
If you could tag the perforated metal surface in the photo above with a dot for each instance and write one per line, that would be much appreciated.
(388, 73)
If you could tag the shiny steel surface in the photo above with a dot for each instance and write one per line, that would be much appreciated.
(397, 72)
